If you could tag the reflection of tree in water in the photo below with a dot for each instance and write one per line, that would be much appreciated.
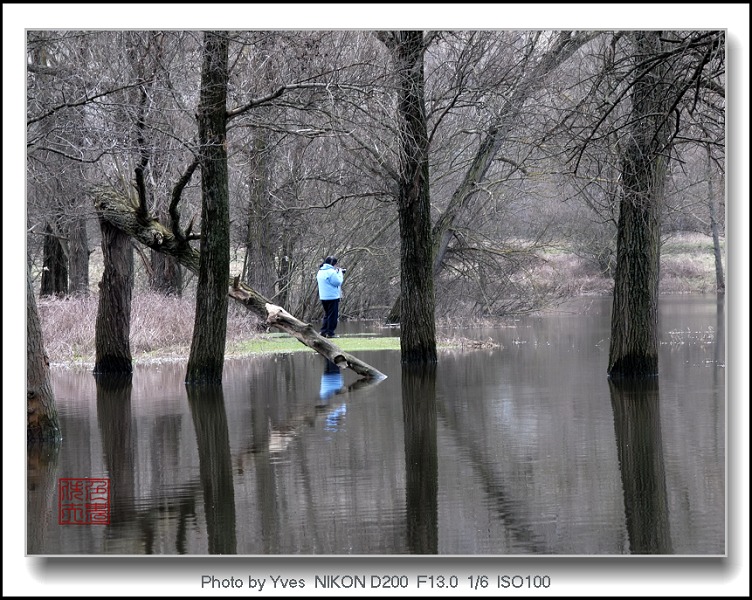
(215, 465)
(637, 423)
(421, 457)
(116, 428)
(271, 440)
(501, 494)
(41, 482)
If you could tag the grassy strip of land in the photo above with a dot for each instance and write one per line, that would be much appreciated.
(266, 344)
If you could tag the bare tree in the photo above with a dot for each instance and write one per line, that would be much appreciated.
(206, 359)
(418, 330)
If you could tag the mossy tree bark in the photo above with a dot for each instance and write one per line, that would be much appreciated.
(206, 359)
(634, 320)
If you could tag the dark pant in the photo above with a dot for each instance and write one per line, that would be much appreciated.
(331, 314)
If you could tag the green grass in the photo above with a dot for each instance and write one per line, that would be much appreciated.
(274, 343)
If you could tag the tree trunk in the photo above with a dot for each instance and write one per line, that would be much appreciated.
(113, 326)
(42, 424)
(260, 273)
(418, 327)
(720, 281)
(166, 275)
(78, 248)
(634, 318)
(166, 272)
(206, 359)
(55, 265)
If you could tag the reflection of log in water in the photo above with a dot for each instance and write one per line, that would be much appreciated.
(637, 423)
(421, 457)
(116, 428)
(41, 485)
(276, 438)
(215, 465)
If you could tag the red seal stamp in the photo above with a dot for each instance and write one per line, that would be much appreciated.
(83, 501)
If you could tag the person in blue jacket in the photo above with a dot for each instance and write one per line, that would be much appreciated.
(330, 278)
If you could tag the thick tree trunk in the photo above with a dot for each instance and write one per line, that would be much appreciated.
(417, 318)
(42, 424)
(113, 326)
(206, 359)
(634, 319)
(55, 265)
(123, 214)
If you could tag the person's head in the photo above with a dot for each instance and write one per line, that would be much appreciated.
(330, 260)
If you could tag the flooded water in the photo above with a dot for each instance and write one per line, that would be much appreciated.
(526, 449)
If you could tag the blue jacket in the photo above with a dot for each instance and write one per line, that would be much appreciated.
(330, 282)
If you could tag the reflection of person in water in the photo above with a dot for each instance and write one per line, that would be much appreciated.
(331, 382)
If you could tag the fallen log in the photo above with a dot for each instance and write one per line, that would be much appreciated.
(123, 214)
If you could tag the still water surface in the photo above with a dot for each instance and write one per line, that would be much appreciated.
(524, 450)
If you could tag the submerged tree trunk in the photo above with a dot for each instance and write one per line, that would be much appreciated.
(206, 359)
(417, 318)
(42, 424)
(113, 326)
(634, 320)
